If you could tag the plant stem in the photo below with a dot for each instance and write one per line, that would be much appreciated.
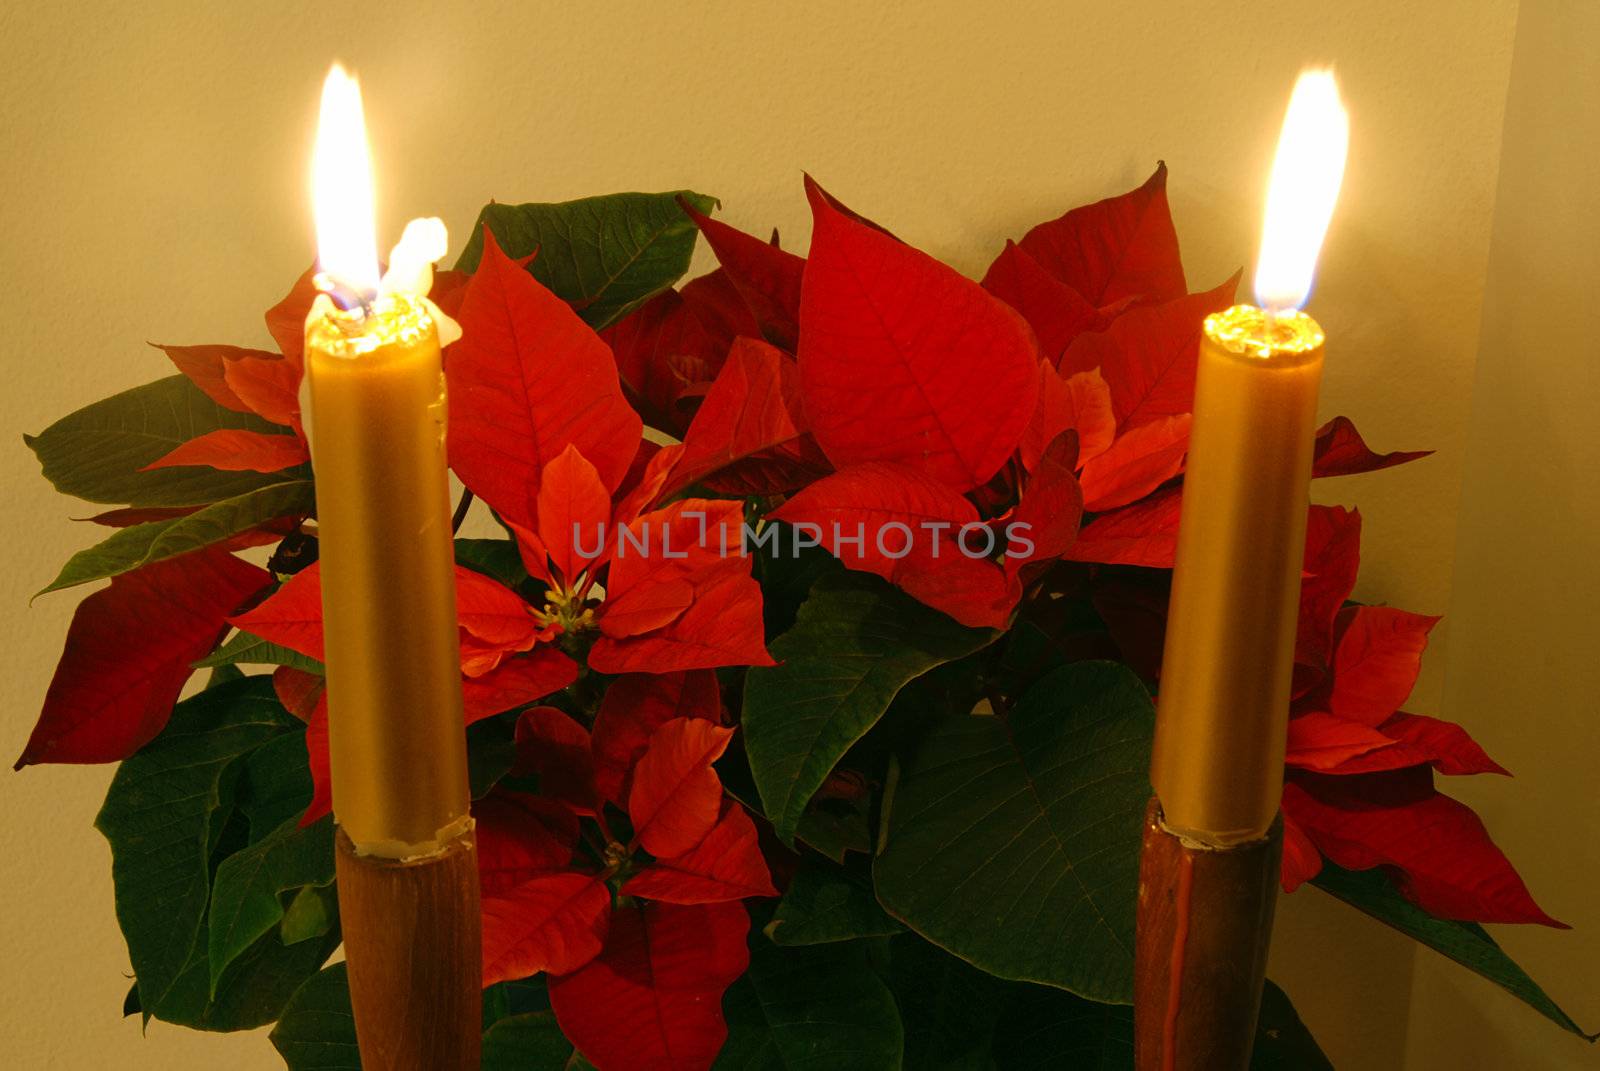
(461, 510)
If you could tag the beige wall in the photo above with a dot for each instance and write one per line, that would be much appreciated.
(1523, 668)
(153, 188)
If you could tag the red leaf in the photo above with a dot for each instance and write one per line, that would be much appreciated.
(646, 341)
(1340, 451)
(691, 551)
(517, 680)
(553, 922)
(127, 518)
(1056, 312)
(676, 795)
(1333, 553)
(573, 508)
(652, 1001)
(1145, 533)
(286, 321)
(1301, 860)
(554, 746)
(765, 276)
(646, 608)
(1142, 459)
(722, 627)
(1134, 609)
(716, 302)
(1322, 741)
(752, 406)
(1122, 247)
(1446, 863)
(448, 288)
(1081, 403)
(902, 359)
(1051, 506)
(1376, 661)
(527, 379)
(269, 385)
(726, 865)
(1421, 740)
(494, 616)
(299, 692)
(1149, 354)
(205, 365)
(317, 758)
(128, 654)
(237, 451)
(678, 542)
(520, 837)
(896, 522)
(633, 708)
(292, 616)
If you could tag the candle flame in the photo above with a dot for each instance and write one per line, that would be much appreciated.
(341, 188)
(1305, 184)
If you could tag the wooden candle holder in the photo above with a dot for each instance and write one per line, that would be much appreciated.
(413, 942)
(1205, 923)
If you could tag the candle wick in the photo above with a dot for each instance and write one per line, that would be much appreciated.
(347, 297)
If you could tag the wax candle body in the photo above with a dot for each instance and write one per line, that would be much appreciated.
(1225, 679)
(397, 739)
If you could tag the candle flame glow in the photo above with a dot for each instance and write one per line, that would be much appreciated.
(341, 187)
(1305, 184)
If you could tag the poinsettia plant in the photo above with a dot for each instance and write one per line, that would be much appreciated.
(807, 675)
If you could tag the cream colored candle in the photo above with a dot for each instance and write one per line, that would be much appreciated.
(376, 399)
(1224, 691)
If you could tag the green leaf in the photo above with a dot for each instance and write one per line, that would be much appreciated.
(244, 648)
(835, 828)
(274, 784)
(1013, 841)
(819, 1007)
(491, 752)
(311, 913)
(604, 255)
(1282, 1041)
(1465, 942)
(495, 558)
(949, 1007)
(169, 808)
(856, 643)
(255, 988)
(278, 860)
(97, 453)
(223, 675)
(247, 897)
(141, 544)
(317, 1031)
(787, 570)
(1042, 1029)
(826, 903)
(521, 1042)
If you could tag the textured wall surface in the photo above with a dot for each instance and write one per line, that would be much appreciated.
(154, 188)
(1521, 666)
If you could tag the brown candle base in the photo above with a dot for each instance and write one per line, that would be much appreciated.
(412, 939)
(1205, 922)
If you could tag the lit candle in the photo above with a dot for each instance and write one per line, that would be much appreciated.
(1224, 696)
(376, 403)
